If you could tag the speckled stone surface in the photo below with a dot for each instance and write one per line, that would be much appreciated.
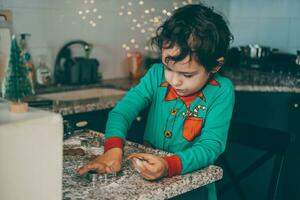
(265, 88)
(246, 80)
(255, 80)
(80, 106)
(127, 184)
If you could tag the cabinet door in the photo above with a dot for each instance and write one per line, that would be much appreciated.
(263, 109)
(291, 174)
(137, 128)
(96, 120)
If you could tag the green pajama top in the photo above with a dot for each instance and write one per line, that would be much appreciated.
(194, 128)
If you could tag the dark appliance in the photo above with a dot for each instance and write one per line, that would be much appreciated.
(260, 57)
(279, 61)
(71, 70)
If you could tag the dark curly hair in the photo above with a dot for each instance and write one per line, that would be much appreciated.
(198, 31)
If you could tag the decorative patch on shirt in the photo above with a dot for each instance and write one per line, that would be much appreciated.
(189, 113)
(192, 128)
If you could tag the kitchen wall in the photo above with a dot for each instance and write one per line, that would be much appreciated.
(272, 23)
(52, 23)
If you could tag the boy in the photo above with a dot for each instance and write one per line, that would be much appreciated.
(190, 104)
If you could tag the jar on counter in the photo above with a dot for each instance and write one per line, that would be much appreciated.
(135, 60)
(43, 75)
(298, 58)
(298, 68)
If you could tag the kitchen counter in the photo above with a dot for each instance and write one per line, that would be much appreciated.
(244, 79)
(83, 105)
(127, 184)
(248, 80)
(256, 80)
(87, 105)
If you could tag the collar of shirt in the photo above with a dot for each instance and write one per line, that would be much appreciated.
(172, 95)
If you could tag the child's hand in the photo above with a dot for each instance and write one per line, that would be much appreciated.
(150, 167)
(109, 162)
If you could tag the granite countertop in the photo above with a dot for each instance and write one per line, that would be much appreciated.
(126, 184)
(257, 80)
(82, 105)
(86, 105)
(245, 80)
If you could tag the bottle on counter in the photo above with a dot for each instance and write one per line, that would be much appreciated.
(298, 67)
(135, 61)
(43, 75)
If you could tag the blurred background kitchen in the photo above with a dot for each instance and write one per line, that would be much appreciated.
(110, 40)
(115, 27)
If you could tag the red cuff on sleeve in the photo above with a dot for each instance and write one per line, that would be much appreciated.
(113, 142)
(174, 164)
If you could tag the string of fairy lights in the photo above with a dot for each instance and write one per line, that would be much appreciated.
(89, 12)
(143, 19)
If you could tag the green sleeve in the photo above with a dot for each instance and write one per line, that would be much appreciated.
(212, 140)
(124, 113)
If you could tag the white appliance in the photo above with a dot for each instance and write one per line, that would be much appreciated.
(31, 154)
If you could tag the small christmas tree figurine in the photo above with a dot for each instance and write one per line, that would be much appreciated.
(16, 84)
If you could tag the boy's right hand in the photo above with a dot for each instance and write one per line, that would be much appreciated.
(109, 162)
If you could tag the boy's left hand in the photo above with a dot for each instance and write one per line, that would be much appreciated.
(149, 166)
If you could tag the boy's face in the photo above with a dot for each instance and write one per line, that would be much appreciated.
(186, 76)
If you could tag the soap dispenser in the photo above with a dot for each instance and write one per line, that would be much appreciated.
(27, 56)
